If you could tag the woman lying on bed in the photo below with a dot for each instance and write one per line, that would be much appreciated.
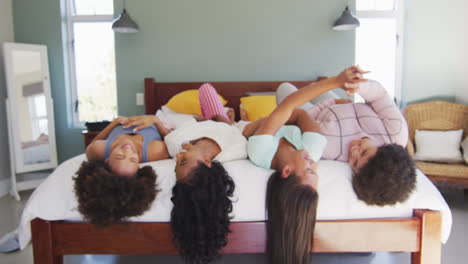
(201, 196)
(111, 186)
(292, 151)
(371, 137)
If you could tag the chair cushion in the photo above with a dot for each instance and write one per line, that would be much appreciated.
(440, 169)
(465, 150)
(438, 146)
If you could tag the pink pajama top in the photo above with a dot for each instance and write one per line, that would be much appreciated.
(379, 119)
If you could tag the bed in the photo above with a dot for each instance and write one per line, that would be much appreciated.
(418, 226)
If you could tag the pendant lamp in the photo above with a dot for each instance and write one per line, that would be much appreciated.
(346, 21)
(124, 23)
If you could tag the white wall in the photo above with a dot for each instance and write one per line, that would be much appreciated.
(461, 96)
(6, 35)
(436, 50)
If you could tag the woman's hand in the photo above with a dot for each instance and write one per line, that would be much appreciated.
(140, 122)
(352, 74)
(350, 78)
(119, 120)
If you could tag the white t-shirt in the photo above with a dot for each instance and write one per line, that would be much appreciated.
(229, 138)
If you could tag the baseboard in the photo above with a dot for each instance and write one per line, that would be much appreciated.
(4, 187)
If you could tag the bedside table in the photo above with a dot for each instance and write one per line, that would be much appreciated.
(89, 136)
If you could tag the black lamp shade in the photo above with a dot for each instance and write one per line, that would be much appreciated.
(346, 21)
(124, 23)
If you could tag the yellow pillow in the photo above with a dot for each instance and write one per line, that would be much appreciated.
(187, 102)
(258, 106)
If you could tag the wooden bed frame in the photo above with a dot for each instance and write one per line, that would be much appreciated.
(420, 235)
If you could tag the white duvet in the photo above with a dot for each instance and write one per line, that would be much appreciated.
(54, 199)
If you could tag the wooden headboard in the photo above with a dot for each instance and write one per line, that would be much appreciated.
(158, 94)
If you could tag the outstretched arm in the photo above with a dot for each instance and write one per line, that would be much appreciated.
(284, 111)
(304, 121)
(299, 117)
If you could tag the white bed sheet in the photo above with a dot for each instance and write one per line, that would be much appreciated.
(54, 199)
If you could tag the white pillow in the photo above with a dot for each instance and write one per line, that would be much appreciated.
(439, 146)
(172, 120)
(465, 149)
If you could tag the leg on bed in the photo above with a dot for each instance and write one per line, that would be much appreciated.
(430, 245)
(43, 243)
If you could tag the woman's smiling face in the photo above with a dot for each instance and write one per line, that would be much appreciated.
(124, 159)
(188, 159)
(360, 151)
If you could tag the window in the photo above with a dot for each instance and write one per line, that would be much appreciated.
(91, 60)
(379, 42)
(38, 115)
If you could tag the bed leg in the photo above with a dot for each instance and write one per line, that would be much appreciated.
(430, 245)
(43, 244)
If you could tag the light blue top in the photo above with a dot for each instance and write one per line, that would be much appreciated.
(149, 134)
(262, 148)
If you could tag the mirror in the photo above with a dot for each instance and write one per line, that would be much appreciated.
(29, 109)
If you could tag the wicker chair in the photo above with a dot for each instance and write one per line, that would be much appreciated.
(438, 115)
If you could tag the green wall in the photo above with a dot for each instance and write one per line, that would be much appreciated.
(203, 40)
(220, 40)
(39, 22)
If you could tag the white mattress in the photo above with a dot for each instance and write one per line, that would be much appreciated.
(54, 199)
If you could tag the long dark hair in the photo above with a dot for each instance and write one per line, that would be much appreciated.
(200, 217)
(105, 198)
(292, 209)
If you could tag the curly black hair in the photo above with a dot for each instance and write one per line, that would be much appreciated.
(200, 217)
(292, 211)
(387, 178)
(105, 198)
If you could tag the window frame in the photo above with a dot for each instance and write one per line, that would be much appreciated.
(72, 18)
(398, 13)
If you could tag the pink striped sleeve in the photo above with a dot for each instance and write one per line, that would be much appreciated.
(209, 102)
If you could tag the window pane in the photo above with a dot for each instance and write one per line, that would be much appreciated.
(94, 7)
(375, 4)
(40, 105)
(43, 129)
(365, 4)
(376, 50)
(95, 71)
(385, 4)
